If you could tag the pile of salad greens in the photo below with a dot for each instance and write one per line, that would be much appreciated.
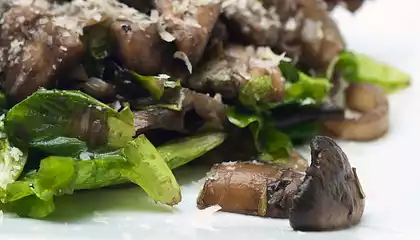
(58, 140)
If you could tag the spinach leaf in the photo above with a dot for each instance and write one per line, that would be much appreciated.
(271, 143)
(54, 120)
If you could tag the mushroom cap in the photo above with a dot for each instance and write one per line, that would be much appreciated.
(330, 196)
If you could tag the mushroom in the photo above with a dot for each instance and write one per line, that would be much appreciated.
(331, 196)
(251, 188)
(35, 52)
(190, 23)
(328, 196)
(372, 122)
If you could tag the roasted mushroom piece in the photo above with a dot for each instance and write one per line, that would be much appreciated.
(250, 188)
(331, 196)
(35, 51)
(328, 196)
(189, 24)
(369, 119)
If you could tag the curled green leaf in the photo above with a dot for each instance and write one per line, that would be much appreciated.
(149, 170)
(271, 143)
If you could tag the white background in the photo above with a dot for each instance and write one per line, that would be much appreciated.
(389, 168)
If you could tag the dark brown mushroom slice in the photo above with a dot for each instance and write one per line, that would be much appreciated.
(140, 48)
(35, 51)
(250, 188)
(371, 120)
(250, 22)
(308, 25)
(330, 196)
(190, 24)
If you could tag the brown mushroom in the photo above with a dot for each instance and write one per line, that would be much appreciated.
(250, 188)
(190, 24)
(140, 48)
(34, 51)
(330, 196)
(372, 122)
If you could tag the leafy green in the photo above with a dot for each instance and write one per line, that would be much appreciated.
(152, 84)
(182, 151)
(150, 171)
(61, 122)
(96, 40)
(270, 142)
(356, 67)
(307, 87)
(255, 91)
(12, 159)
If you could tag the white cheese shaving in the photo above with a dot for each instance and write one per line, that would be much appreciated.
(182, 56)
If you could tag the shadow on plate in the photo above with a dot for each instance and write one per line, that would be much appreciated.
(128, 198)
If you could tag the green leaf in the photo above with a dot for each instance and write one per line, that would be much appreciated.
(55, 177)
(153, 84)
(150, 171)
(31, 206)
(52, 120)
(102, 171)
(12, 159)
(180, 152)
(289, 71)
(356, 67)
(270, 142)
(316, 89)
(254, 93)
(97, 42)
(96, 39)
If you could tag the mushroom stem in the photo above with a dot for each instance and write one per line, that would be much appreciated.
(373, 122)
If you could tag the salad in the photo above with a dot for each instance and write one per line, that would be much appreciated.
(96, 93)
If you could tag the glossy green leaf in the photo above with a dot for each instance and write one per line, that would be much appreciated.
(356, 67)
(150, 171)
(271, 143)
(53, 120)
(182, 151)
(316, 89)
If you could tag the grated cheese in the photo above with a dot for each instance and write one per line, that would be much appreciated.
(182, 56)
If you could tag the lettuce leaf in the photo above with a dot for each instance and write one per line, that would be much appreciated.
(149, 171)
(271, 143)
(356, 67)
(67, 123)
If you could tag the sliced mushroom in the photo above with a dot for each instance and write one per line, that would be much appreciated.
(34, 51)
(331, 196)
(372, 121)
(250, 188)
(190, 23)
(328, 196)
(140, 48)
(250, 22)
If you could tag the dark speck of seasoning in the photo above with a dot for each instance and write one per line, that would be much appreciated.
(126, 28)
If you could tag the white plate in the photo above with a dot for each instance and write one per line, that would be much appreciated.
(388, 168)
